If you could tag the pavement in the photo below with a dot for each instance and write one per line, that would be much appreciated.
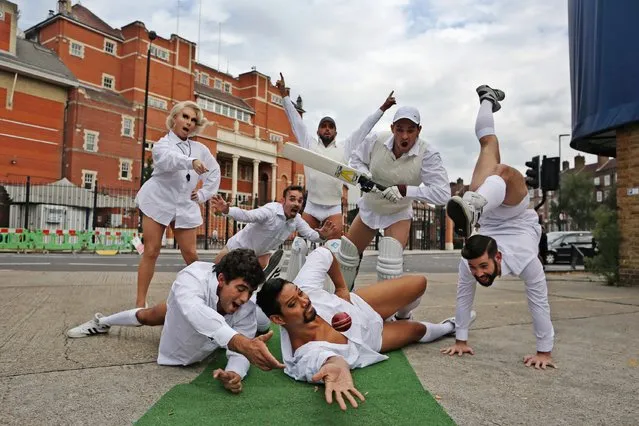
(46, 378)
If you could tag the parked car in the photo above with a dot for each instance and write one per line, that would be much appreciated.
(560, 245)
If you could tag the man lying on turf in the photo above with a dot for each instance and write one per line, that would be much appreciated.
(313, 351)
(209, 307)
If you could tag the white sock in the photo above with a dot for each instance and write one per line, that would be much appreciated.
(124, 318)
(406, 311)
(485, 124)
(494, 191)
(435, 331)
(263, 323)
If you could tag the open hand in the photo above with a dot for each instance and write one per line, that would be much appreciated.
(458, 348)
(281, 85)
(327, 230)
(219, 204)
(337, 378)
(256, 351)
(230, 380)
(540, 361)
(194, 196)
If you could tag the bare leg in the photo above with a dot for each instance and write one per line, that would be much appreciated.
(187, 241)
(153, 232)
(338, 221)
(389, 296)
(220, 255)
(152, 316)
(398, 334)
(400, 231)
(311, 220)
(360, 234)
(263, 259)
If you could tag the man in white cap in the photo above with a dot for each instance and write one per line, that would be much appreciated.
(411, 170)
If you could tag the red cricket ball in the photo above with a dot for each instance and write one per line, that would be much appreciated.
(341, 322)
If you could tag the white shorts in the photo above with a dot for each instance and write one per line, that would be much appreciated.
(378, 221)
(180, 343)
(374, 324)
(321, 212)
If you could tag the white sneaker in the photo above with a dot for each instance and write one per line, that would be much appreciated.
(451, 320)
(465, 212)
(89, 328)
(486, 92)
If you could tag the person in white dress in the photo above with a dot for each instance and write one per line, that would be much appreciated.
(170, 197)
(507, 241)
(326, 195)
(209, 307)
(313, 351)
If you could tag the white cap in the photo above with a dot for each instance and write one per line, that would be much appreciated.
(408, 112)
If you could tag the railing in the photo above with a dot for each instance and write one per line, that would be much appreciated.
(63, 216)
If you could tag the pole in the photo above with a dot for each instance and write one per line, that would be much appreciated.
(26, 203)
(152, 36)
(95, 206)
(559, 141)
(207, 215)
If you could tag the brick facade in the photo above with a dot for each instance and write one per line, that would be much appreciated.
(628, 177)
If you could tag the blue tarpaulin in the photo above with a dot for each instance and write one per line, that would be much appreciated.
(604, 71)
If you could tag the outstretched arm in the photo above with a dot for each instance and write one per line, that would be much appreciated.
(465, 295)
(303, 136)
(435, 187)
(358, 135)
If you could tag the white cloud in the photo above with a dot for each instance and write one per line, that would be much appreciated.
(344, 57)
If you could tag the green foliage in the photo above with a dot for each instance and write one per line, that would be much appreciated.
(577, 201)
(607, 236)
(148, 169)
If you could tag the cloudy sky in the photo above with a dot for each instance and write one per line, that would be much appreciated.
(345, 56)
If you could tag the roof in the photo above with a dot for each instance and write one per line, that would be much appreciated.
(107, 96)
(84, 16)
(221, 96)
(39, 62)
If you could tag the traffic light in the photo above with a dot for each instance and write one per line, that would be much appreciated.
(532, 174)
(550, 174)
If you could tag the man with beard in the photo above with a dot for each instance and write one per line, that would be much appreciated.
(209, 306)
(508, 238)
(268, 227)
(317, 347)
(325, 193)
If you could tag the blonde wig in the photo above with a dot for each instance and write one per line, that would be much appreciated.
(201, 123)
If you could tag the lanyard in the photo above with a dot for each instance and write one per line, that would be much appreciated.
(188, 175)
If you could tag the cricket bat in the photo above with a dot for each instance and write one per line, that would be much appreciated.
(329, 166)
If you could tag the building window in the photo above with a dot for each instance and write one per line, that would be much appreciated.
(157, 103)
(615, 177)
(91, 140)
(126, 167)
(246, 172)
(597, 181)
(218, 84)
(109, 47)
(108, 81)
(599, 196)
(222, 109)
(204, 79)
(300, 180)
(227, 169)
(275, 137)
(228, 87)
(276, 99)
(607, 180)
(149, 146)
(89, 179)
(76, 49)
(160, 53)
(127, 126)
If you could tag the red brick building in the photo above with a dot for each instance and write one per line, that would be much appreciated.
(100, 136)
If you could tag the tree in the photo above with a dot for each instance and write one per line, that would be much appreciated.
(576, 200)
(148, 169)
(607, 238)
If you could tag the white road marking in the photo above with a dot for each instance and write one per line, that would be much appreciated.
(98, 264)
(25, 263)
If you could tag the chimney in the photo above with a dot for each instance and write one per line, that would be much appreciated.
(51, 13)
(64, 6)
(9, 27)
(299, 102)
(565, 165)
(580, 162)
(601, 160)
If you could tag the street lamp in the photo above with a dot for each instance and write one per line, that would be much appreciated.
(152, 36)
(559, 138)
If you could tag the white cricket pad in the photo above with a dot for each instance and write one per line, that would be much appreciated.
(333, 245)
(348, 258)
(390, 260)
(299, 250)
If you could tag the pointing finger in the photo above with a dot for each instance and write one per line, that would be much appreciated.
(391, 94)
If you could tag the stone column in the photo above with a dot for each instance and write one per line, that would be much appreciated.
(236, 159)
(256, 179)
(273, 181)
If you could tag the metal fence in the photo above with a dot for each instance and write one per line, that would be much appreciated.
(93, 217)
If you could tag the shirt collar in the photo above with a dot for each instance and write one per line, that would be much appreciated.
(174, 138)
(411, 153)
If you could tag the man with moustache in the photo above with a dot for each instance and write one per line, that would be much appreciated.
(508, 238)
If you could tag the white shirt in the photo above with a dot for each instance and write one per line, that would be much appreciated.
(268, 228)
(434, 187)
(197, 326)
(307, 360)
(166, 196)
(322, 188)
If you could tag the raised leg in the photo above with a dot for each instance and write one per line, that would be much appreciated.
(387, 297)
